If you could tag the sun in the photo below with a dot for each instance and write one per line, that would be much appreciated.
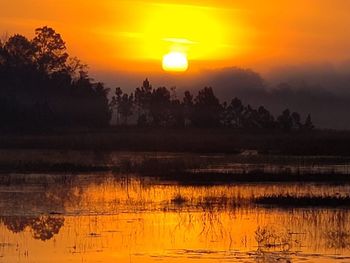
(175, 61)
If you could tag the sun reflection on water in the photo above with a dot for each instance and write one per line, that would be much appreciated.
(127, 219)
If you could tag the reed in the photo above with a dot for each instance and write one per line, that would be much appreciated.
(303, 201)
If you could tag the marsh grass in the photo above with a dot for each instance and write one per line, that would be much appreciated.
(186, 169)
(193, 169)
(337, 239)
(185, 140)
(158, 166)
(303, 201)
(260, 176)
(287, 201)
(38, 179)
(179, 200)
(49, 167)
(270, 237)
(183, 168)
(210, 202)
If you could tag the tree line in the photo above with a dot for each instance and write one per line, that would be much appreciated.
(161, 107)
(41, 86)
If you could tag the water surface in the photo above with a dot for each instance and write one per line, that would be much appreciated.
(125, 218)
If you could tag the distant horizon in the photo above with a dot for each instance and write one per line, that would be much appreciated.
(279, 74)
(322, 90)
(244, 49)
(317, 89)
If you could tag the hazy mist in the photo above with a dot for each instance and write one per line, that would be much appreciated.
(323, 90)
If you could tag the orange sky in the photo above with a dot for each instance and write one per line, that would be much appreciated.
(134, 35)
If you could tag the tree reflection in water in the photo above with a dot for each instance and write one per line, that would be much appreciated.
(99, 216)
(41, 227)
(274, 244)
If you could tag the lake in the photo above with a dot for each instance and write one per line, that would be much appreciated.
(108, 217)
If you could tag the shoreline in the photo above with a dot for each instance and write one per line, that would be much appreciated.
(225, 141)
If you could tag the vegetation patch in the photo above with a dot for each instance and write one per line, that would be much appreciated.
(303, 201)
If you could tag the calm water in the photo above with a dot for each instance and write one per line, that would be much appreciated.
(106, 218)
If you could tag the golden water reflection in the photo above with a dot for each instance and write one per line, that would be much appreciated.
(103, 218)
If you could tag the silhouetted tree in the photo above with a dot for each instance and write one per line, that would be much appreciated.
(126, 106)
(250, 118)
(74, 67)
(99, 105)
(224, 117)
(265, 119)
(142, 101)
(235, 113)
(19, 52)
(187, 104)
(177, 117)
(42, 87)
(115, 103)
(207, 109)
(296, 121)
(285, 120)
(308, 125)
(50, 50)
(160, 106)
